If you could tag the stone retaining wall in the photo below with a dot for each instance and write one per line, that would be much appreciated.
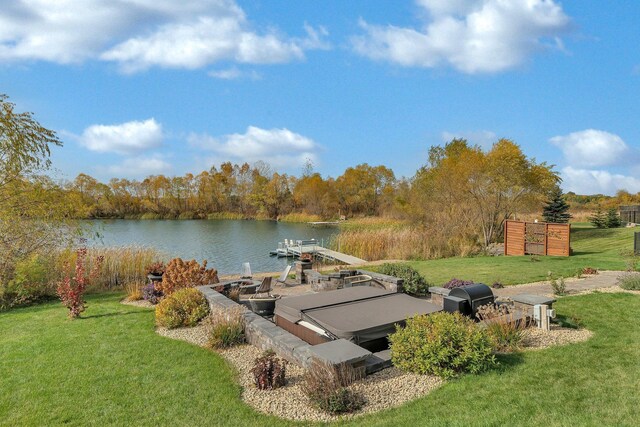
(438, 294)
(329, 282)
(262, 333)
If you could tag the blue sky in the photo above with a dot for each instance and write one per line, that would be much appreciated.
(140, 87)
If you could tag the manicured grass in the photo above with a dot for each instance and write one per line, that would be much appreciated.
(598, 248)
(110, 368)
(593, 383)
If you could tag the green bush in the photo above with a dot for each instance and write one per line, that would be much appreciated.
(558, 285)
(225, 328)
(630, 282)
(184, 307)
(414, 283)
(442, 344)
(30, 283)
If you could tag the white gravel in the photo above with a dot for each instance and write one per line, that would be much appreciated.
(139, 303)
(538, 339)
(382, 390)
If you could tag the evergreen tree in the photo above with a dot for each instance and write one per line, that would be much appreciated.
(555, 210)
(598, 219)
(613, 219)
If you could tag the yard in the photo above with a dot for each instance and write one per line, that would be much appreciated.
(598, 248)
(111, 368)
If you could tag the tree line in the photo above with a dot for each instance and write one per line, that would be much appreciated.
(250, 191)
(456, 202)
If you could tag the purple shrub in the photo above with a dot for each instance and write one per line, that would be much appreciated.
(151, 294)
(457, 283)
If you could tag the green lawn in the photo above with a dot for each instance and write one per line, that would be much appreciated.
(598, 248)
(110, 368)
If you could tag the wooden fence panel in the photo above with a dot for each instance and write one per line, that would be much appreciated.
(559, 239)
(514, 238)
(537, 238)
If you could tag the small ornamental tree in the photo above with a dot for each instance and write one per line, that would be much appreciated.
(612, 219)
(598, 219)
(556, 209)
(186, 274)
(71, 289)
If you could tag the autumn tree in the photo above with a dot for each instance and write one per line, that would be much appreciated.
(361, 189)
(314, 195)
(482, 189)
(32, 211)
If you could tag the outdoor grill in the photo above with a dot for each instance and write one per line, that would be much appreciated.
(467, 299)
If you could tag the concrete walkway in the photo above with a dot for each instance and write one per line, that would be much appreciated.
(604, 279)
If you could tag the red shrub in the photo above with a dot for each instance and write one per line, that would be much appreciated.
(71, 290)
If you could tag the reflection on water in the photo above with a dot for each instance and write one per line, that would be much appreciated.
(225, 244)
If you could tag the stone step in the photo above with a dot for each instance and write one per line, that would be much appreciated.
(378, 361)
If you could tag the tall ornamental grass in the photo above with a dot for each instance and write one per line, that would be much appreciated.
(410, 243)
(121, 266)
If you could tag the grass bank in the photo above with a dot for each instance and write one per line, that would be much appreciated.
(599, 248)
(110, 368)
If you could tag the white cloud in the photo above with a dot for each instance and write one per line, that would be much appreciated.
(138, 34)
(139, 167)
(126, 138)
(483, 138)
(586, 181)
(280, 148)
(592, 148)
(481, 36)
(234, 73)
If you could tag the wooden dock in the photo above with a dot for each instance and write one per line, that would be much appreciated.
(312, 247)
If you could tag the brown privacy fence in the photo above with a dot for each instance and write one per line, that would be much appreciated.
(630, 214)
(536, 238)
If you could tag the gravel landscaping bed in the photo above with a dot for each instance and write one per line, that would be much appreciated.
(382, 390)
(537, 339)
(609, 290)
(139, 303)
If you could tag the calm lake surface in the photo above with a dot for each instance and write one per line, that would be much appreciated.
(225, 244)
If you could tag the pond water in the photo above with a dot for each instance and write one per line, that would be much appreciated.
(225, 244)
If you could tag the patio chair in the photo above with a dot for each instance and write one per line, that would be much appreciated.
(283, 277)
(264, 288)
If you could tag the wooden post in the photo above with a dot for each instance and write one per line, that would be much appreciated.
(546, 238)
(544, 318)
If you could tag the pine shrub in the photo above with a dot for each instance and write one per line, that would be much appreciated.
(556, 209)
(185, 307)
(441, 344)
(598, 219)
(612, 218)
